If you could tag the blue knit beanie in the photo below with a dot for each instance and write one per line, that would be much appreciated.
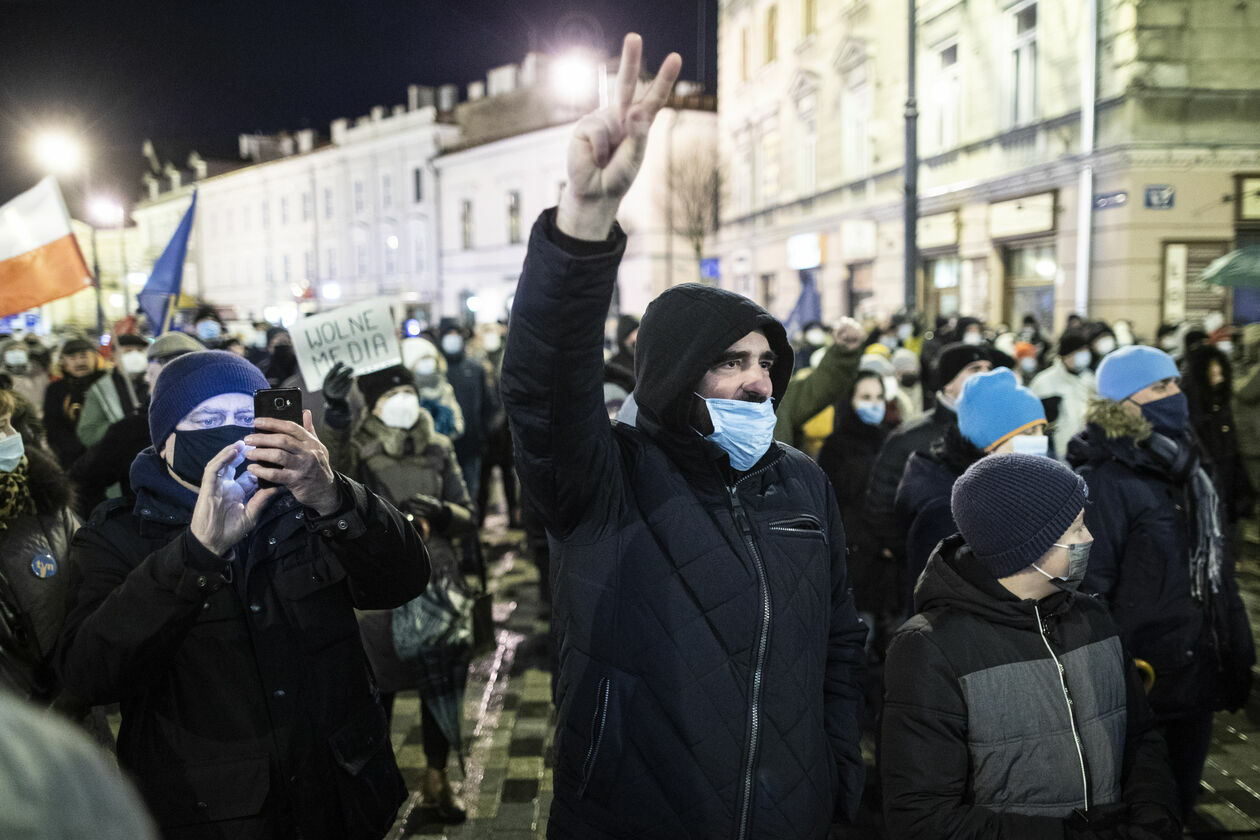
(1130, 369)
(994, 408)
(1011, 508)
(191, 379)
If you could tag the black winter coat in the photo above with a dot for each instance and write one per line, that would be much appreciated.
(63, 403)
(248, 709)
(1212, 415)
(979, 739)
(1139, 514)
(477, 402)
(881, 494)
(923, 507)
(710, 658)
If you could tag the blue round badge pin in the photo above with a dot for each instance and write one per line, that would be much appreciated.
(44, 565)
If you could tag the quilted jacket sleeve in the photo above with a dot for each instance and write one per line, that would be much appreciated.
(846, 673)
(1105, 516)
(552, 385)
(923, 754)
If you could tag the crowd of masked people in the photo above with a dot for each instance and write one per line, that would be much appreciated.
(124, 487)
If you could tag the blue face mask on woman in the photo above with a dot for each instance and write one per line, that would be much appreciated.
(744, 430)
(871, 413)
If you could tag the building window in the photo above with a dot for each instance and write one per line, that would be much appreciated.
(1024, 65)
(810, 15)
(358, 196)
(328, 202)
(306, 206)
(1031, 273)
(466, 224)
(331, 268)
(361, 258)
(743, 54)
(514, 216)
(417, 185)
(288, 269)
(387, 192)
(284, 210)
(391, 248)
(767, 291)
(806, 159)
(855, 147)
(308, 265)
(418, 248)
(944, 104)
(772, 34)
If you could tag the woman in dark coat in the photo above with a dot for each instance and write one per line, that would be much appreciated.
(1207, 380)
(395, 451)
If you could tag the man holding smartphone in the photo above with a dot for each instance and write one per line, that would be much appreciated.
(221, 617)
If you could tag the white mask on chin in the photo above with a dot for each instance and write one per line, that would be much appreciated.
(401, 411)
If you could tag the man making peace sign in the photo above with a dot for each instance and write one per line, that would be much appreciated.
(710, 657)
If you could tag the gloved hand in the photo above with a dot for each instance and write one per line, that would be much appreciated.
(431, 509)
(1151, 821)
(337, 384)
(1102, 822)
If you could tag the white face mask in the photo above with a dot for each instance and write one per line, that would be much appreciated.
(1213, 322)
(972, 338)
(426, 366)
(1081, 359)
(133, 363)
(491, 341)
(1031, 445)
(1028, 364)
(904, 331)
(1105, 345)
(16, 358)
(1226, 347)
(452, 344)
(11, 452)
(401, 411)
(891, 386)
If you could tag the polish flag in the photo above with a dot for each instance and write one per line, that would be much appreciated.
(40, 258)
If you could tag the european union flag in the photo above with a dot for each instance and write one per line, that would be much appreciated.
(159, 294)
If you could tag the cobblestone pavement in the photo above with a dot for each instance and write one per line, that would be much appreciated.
(508, 727)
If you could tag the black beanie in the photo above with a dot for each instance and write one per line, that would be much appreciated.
(374, 385)
(1011, 508)
(77, 345)
(1071, 341)
(954, 357)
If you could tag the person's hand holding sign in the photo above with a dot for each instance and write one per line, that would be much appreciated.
(607, 146)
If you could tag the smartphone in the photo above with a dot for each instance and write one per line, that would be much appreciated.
(282, 404)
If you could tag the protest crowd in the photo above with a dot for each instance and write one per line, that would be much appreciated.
(977, 580)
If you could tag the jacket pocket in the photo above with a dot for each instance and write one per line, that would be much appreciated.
(801, 525)
(317, 601)
(371, 787)
(596, 725)
(209, 791)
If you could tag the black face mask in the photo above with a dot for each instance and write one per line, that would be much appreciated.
(195, 448)
(909, 380)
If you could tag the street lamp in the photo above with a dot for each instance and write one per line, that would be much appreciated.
(108, 212)
(60, 152)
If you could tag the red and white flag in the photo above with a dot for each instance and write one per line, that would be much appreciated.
(40, 258)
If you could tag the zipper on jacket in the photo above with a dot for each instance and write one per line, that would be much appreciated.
(1080, 752)
(745, 529)
(801, 525)
(598, 722)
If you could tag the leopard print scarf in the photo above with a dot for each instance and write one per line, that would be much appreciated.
(15, 494)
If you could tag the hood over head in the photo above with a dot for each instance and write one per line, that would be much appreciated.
(683, 332)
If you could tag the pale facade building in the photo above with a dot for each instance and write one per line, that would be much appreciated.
(1156, 161)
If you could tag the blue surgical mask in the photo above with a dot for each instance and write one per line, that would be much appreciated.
(744, 430)
(871, 413)
(1168, 416)
(11, 452)
(1031, 445)
(194, 449)
(207, 330)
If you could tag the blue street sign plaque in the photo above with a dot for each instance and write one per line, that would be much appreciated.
(1102, 201)
(710, 268)
(1160, 196)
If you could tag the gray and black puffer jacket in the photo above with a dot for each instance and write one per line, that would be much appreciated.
(1002, 716)
(710, 658)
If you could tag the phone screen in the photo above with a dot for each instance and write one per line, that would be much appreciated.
(282, 404)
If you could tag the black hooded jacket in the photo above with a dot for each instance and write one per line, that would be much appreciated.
(710, 658)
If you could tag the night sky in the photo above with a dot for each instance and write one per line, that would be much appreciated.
(196, 74)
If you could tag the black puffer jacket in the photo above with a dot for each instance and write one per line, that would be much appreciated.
(923, 496)
(710, 657)
(248, 707)
(979, 739)
(881, 494)
(1139, 514)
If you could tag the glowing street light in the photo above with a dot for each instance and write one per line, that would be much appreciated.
(573, 77)
(58, 152)
(106, 212)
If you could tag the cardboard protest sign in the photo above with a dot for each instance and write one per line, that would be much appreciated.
(362, 335)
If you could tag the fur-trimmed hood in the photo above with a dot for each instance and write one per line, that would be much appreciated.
(1114, 419)
(50, 488)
